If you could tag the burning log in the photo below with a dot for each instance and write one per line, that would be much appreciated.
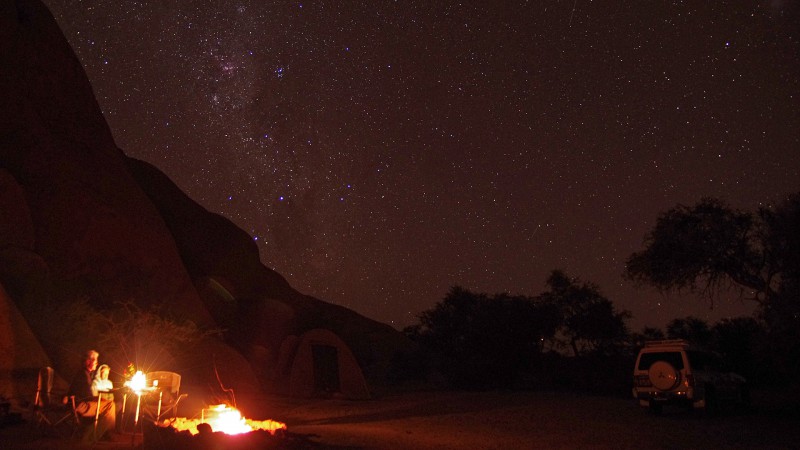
(220, 427)
(227, 420)
(168, 438)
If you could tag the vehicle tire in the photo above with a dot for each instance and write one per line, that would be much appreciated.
(663, 376)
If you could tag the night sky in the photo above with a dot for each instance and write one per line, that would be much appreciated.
(381, 152)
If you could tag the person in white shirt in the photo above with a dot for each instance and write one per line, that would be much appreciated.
(101, 385)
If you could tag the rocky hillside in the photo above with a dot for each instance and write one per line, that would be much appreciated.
(84, 229)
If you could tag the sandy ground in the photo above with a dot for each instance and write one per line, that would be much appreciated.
(498, 420)
(533, 421)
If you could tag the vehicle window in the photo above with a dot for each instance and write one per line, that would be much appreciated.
(673, 358)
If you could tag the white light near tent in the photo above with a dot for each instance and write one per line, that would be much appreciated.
(137, 383)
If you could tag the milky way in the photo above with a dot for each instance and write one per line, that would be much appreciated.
(381, 152)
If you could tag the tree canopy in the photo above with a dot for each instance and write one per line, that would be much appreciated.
(693, 329)
(589, 321)
(471, 335)
(710, 247)
(480, 341)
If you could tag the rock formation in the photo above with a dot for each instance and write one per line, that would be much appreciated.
(83, 227)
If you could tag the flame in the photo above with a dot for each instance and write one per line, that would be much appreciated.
(227, 420)
(137, 383)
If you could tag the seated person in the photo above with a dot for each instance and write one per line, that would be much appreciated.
(86, 400)
(101, 385)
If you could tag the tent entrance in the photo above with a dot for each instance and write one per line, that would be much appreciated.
(326, 368)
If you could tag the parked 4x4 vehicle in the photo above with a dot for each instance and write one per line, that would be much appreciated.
(668, 372)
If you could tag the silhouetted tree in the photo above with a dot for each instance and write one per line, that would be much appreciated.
(692, 329)
(653, 334)
(740, 341)
(477, 341)
(590, 323)
(782, 313)
(638, 340)
(122, 332)
(710, 247)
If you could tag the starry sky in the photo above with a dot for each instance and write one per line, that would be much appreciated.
(380, 151)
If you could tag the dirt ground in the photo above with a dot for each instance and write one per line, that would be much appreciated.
(510, 420)
(499, 420)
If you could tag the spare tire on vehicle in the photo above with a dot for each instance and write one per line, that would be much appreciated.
(663, 376)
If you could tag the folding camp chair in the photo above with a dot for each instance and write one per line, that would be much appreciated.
(90, 422)
(165, 396)
(51, 414)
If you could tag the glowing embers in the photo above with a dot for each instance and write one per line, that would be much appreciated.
(225, 419)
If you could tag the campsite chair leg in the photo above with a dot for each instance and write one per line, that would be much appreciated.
(41, 421)
(97, 415)
(59, 427)
(158, 412)
(136, 418)
(138, 408)
(123, 415)
(173, 408)
(53, 422)
(38, 415)
(74, 419)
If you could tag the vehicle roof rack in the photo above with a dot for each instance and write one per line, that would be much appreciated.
(667, 343)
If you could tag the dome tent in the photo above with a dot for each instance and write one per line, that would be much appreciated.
(320, 364)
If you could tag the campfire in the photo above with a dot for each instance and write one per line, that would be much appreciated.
(224, 419)
(220, 425)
